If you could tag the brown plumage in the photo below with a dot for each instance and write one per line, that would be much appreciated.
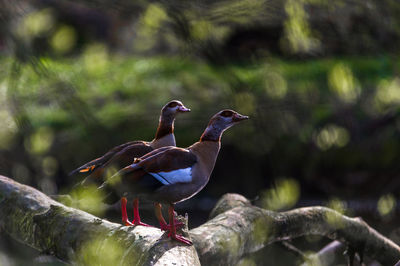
(124, 154)
(172, 174)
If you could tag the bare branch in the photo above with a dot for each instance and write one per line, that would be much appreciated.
(328, 255)
(245, 229)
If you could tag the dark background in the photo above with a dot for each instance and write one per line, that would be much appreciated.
(319, 80)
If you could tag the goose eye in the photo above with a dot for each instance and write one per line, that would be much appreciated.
(172, 105)
(226, 113)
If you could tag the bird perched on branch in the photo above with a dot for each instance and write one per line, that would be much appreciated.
(123, 155)
(171, 174)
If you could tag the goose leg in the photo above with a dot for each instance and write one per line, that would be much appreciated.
(125, 219)
(172, 230)
(136, 216)
(163, 224)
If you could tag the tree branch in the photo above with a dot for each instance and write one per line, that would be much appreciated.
(236, 229)
(246, 229)
(328, 255)
(73, 235)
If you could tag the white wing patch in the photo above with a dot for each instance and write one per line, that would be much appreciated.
(176, 176)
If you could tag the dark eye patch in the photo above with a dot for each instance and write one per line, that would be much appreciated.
(173, 104)
(226, 113)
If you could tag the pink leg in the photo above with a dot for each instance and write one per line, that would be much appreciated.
(125, 220)
(136, 216)
(172, 230)
(163, 224)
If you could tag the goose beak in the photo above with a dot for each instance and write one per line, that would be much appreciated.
(183, 109)
(239, 117)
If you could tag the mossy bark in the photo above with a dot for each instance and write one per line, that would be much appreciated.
(73, 235)
(236, 229)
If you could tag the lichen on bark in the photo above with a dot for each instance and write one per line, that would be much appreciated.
(236, 229)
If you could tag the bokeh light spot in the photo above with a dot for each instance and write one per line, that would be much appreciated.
(36, 23)
(245, 103)
(275, 85)
(202, 29)
(388, 92)
(343, 83)
(112, 176)
(64, 39)
(95, 59)
(101, 251)
(40, 141)
(284, 195)
(386, 204)
(149, 26)
(331, 135)
(297, 30)
(89, 199)
(261, 232)
(154, 16)
(340, 207)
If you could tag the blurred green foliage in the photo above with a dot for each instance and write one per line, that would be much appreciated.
(101, 251)
(284, 195)
(297, 30)
(88, 198)
(386, 205)
(96, 100)
(319, 80)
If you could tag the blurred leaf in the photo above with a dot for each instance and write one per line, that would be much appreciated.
(386, 205)
(95, 59)
(332, 135)
(275, 85)
(40, 141)
(343, 83)
(150, 24)
(89, 199)
(245, 103)
(99, 251)
(388, 93)
(64, 39)
(36, 23)
(297, 30)
(284, 195)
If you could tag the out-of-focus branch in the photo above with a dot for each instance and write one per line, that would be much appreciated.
(328, 255)
(237, 229)
(246, 229)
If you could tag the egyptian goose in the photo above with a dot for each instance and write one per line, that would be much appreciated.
(123, 155)
(171, 174)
